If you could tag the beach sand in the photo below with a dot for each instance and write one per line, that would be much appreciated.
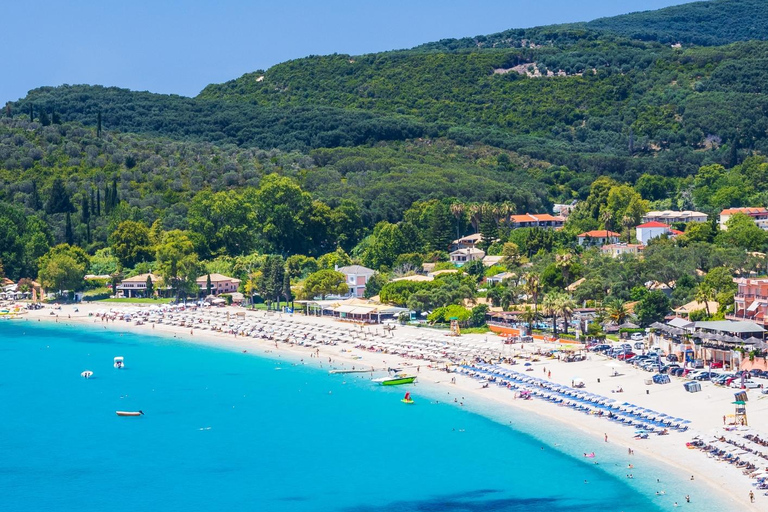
(705, 409)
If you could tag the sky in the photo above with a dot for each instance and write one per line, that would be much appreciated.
(179, 47)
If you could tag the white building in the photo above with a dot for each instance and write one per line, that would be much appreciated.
(670, 216)
(599, 237)
(650, 230)
(462, 256)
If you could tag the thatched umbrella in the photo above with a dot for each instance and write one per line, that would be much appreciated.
(629, 325)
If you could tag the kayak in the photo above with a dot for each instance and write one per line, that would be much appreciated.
(129, 413)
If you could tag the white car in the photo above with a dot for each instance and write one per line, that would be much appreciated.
(637, 336)
(749, 384)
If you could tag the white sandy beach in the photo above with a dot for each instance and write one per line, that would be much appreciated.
(705, 410)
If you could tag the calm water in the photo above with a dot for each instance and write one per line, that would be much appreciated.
(224, 431)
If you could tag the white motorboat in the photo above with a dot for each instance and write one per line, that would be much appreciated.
(87, 374)
(119, 362)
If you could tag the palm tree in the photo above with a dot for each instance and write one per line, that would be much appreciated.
(474, 211)
(457, 209)
(549, 304)
(563, 262)
(532, 289)
(528, 316)
(704, 293)
(565, 306)
(617, 311)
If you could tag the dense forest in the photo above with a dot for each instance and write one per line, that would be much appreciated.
(383, 159)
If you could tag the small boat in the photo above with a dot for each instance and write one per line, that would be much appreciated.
(87, 374)
(130, 413)
(119, 362)
(396, 380)
(407, 399)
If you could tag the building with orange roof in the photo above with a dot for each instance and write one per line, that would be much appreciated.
(536, 220)
(598, 237)
(759, 215)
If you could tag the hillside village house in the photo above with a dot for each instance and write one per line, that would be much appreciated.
(467, 242)
(616, 250)
(751, 301)
(462, 256)
(670, 217)
(136, 286)
(357, 277)
(651, 230)
(759, 215)
(598, 237)
(536, 220)
(219, 284)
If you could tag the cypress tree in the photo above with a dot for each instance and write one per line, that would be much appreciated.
(59, 201)
(113, 196)
(150, 287)
(98, 202)
(8, 109)
(55, 119)
(85, 217)
(68, 235)
(31, 113)
(34, 199)
(287, 288)
(107, 200)
(98, 125)
(93, 203)
(208, 285)
(44, 119)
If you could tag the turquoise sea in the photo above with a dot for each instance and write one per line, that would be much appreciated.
(226, 431)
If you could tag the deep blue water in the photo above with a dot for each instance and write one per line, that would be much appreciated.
(225, 431)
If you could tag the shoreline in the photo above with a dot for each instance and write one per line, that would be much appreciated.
(668, 451)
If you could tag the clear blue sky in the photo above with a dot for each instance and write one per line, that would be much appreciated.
(175, 46)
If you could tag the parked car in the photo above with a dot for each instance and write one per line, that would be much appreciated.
(672, 358)
(599, 348)
(716, 364)
(677, 372)
(653, 367)
(698, 363)
(625, 355)
(667, 368)
(706, 376)
(748, 384)
(637, 336)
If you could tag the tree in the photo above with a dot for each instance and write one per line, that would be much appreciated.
(69, 237)
(298, 265)
(387, 244)
(374, 285)
(565, 306)
(720, 280)
(742, 232)
(475, 268)
(511, 256)
(705, 293)
(282, 211)
(287, 292)
(529, 317)
(63, 268)
(98, 125)
(270, 282)
(150, 287)
(477, 317)
(85, 216)
(208, 285)
(34, 197)
(58, 201)
(177, 262)
(131, 244)
(324, 282)
(652, 308)
(439, 231)
(617, 311)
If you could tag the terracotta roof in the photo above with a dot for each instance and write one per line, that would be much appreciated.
(141, 278)
(675, 232)
(653, 224)
(746, 210)
(535, 217)
(216, 278)
(599, 233)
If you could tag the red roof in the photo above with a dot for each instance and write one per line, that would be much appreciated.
(675, 232)
(600, 233)
(653, 224)
(535, 217)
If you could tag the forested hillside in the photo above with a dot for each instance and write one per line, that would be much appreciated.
(385, 158)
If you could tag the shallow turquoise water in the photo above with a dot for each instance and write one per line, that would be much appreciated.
(225, 431)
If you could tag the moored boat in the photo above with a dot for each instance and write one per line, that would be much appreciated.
(119, 362)
(130, 413)
(396, 379)
(87, 374)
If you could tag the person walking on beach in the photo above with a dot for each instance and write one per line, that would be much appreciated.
(606, 438)
(751, 497)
